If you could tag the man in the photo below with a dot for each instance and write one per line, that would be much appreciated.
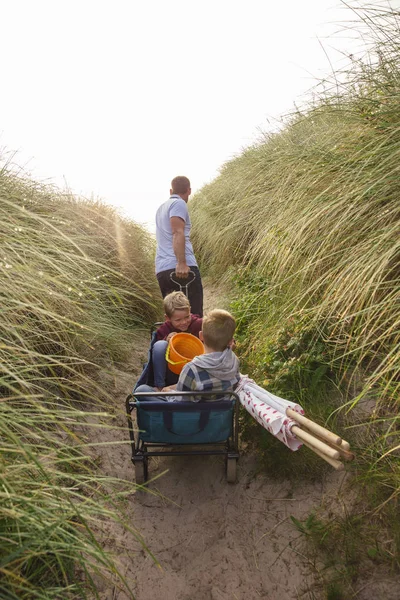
(174, 248)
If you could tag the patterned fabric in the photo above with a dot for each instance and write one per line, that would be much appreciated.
(269, 411)
(166, 328)
(195, 378)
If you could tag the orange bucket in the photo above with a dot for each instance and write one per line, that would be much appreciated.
(182, 348)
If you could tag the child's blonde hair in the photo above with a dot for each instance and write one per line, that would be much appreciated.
(175, 301)
(218, 329)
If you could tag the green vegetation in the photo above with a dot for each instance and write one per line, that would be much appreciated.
(345, 545)
(308, 223)
(74, 292)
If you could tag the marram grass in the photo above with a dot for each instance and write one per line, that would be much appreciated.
(76, 284)
(305, 226)
(307, 220)
(315, 210)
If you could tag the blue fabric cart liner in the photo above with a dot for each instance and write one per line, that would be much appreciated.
(147, 375)
(185, 422)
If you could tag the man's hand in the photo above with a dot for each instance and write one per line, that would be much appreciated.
(182, 270)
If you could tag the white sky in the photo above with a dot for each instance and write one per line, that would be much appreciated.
(114, 98)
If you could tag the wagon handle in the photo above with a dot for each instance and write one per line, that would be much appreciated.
(183, 287)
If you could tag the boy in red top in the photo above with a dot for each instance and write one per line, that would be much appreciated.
(178, 319)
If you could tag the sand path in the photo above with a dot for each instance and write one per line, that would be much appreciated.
(212, 540)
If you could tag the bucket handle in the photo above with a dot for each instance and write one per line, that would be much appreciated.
(171, 362)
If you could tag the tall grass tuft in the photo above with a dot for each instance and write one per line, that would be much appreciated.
(315, 210)
(308, 222)
(305, 225)
(76, 285)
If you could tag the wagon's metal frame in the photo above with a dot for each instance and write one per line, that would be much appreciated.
(141, 450)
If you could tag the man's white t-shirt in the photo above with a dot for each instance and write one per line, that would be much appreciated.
(165, 257)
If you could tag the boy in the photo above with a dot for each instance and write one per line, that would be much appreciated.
(178, 319)
(217, 370)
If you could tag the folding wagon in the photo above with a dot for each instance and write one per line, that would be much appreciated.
(206, 427)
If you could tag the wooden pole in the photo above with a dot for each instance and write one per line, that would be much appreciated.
(314, 442)
(343, 453)
(345, 445)
(336, 464)
(321, 432)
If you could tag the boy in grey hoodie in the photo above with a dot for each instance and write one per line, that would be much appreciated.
(218, 368)
(215, 370)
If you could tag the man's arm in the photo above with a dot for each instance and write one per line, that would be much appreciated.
(178, 245)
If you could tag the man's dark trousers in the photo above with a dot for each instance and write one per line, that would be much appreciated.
(195, 289)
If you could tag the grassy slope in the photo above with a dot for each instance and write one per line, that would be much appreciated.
(314, 210)
(308, 222)
(76, 282)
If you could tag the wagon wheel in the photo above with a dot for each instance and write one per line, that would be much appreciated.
(141, 470)
(231, 470)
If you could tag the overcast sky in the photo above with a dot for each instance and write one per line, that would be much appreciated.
(114, 98)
